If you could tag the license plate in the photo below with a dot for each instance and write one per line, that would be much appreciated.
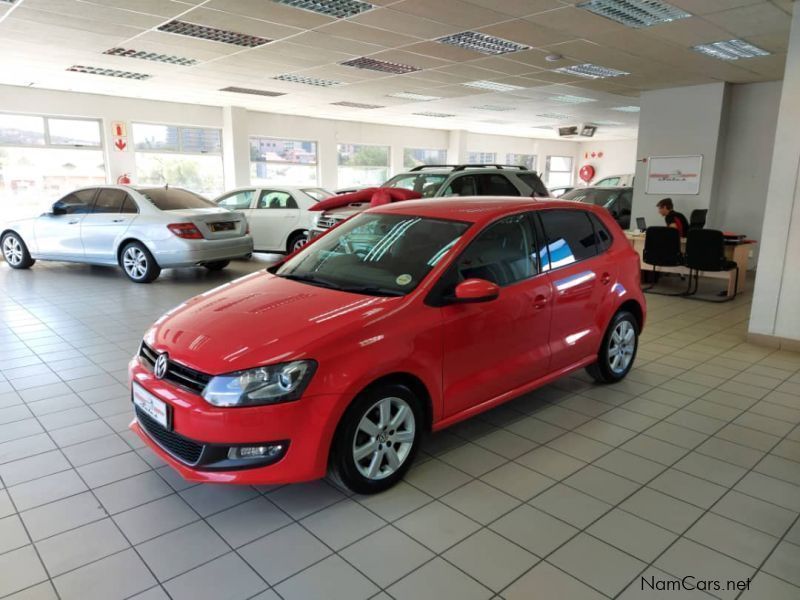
(151, 406)
(224, 226)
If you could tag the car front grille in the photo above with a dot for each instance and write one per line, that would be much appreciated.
(187, 378)
(326, 222)
(182, 448)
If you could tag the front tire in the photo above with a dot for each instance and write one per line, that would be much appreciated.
(377, 439)
(618, 349)
(138, 264)
(216, 265)
(16, 252)
(296, 241)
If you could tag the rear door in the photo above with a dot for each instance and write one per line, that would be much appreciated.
(496, 184)
(274, 217)
(580, 278)
(112, 214)
(59, 236)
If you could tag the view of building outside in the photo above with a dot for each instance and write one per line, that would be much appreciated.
(526, 160)
(558, 172)
(481, 158)
(276, 161)
(414, 157)
(362, 165)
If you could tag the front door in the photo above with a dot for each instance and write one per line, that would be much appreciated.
(494, 347)
(274, 217)
(59, 235)
(113, 213)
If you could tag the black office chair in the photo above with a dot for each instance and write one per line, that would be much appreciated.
(662, 248)
(705, 251)
(697, 220)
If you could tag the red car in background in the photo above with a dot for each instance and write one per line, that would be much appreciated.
(407, 318)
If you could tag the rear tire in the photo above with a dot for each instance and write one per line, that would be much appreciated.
(296, 241)
(16, 252)
(216, 265)
(138, 264)
(377, 439)
(618, 349)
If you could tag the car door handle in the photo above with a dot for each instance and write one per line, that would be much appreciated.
(72, 222)
(605, 278)
(117, 220)
(540, 301)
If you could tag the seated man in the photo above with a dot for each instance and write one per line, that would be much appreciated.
(672, 217)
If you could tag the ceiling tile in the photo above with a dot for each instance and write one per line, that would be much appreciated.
(686, 32)
(92, 12)
(444, 51)
(314, 39)
(453, 12)
(238, 23)
(161, 8)
(372, 35)
(271, 11)
(519, 8)
(774, 42)
(503, 65)
(575, 22)
(408, 58)
(711, 6)
(404, 23)
(537, 58)
(528, 33)
(756, 19)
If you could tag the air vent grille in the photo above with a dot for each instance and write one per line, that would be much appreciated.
(480, 42)
(493, 86)
(590, 71)
(372, 64)
(108, 72)
(435, 115)
(349, 104)
(730, 50)
(315, 81)
(213, 34)
(635, 13)
(340, 9)
(412, 96)
(154, 56)
(251, 91)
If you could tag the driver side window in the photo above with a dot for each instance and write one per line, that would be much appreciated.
(273, 199)
(78, 203)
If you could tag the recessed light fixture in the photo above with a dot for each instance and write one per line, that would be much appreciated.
(213, 34)
(494, 86)
(480, 42)
(413, 96)
(635, 13)
(730, 50)
(251, 91)
(340, 9)
(627, 109)
(373, 64)
(154, 56)
(555, 115)
(494, 107)
(590, 71)
(292, 78)
(588, 130)
(108, 72)
(607, 123)
(356, 104)
(570, 99)
(553, 57)
(436, 115)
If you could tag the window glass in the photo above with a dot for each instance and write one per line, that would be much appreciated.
(129, 206)
(155, 137)
(559, 171)
(362, 165)
(526, 160)
(605, 197)
(570, 238)
(198, 140)
(109, 200)
(278, 161)
(532, 181)
(464, 185)
(317, 193)
(608, 182)
(238, 200)
(501, 254)
(201, 173)
(481, 158)
(414, 157)
(74, 132)
(21, 130)
(495, 184)
(174, 198)
(78, 203)
(602, 236)
(273, 199)
(424, 183)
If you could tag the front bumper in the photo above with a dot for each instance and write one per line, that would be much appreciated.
(305, 428)
(194, 252)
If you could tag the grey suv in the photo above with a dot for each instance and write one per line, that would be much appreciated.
(436, 181)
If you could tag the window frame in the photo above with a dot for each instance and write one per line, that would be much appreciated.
(548, 170)
(315, 164)
(48, 143)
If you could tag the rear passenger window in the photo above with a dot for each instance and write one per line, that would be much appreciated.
(109, 201)
(602, 237)
(497, 185)
(533, 182)
(129, 206)
(570, 238)
(466, 185)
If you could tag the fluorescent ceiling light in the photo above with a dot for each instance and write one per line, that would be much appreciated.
(480, 42)
(356, 104)
(496, 122)
(437, 115)
(607, 123)
(379, 65)
(340, 9)
(213, 34)
(483, 84)
(108, 72)
(555, 115)
(412, 96)
(635, 13)
(292, 78)
(254, 92)
(494, 107)
(730, 50)
(154, 56)
(569, 99)
(590, 71)
(627, 109)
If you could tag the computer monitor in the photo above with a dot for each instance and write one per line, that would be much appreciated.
(641, 223)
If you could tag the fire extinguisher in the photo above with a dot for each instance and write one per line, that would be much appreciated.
(123, 179)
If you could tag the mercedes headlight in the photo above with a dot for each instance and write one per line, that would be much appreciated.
(264, 385)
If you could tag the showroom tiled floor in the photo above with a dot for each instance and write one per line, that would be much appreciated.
(689, 467)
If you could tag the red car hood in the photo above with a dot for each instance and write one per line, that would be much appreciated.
(260, 319)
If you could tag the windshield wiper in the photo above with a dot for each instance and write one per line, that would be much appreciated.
(372, 290)
(312, 280)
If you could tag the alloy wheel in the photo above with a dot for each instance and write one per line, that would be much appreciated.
(299, 243)
(12, 250)
(134, 261)
(621, 347)
(384, 438)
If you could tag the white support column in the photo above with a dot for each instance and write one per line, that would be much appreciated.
(775, 315)
(457, 147)
(235, 147)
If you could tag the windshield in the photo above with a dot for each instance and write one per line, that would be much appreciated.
(598, 197)
(174, 198)
(373, 253)
(317, 193)
(426, 184)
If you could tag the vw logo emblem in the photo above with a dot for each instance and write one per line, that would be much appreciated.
(160, 368)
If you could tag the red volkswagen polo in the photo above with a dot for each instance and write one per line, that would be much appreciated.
(406, 318)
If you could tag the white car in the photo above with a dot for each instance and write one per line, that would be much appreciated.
(140, 229)
(278, 215)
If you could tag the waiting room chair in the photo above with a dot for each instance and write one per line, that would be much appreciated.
(697, 220)
(705, 251)
(662, 248)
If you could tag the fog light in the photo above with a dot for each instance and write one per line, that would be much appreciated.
(244, 452)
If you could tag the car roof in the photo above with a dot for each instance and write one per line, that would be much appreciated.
(474, 209)
(476, 169)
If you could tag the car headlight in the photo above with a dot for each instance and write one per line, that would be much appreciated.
(264, 385)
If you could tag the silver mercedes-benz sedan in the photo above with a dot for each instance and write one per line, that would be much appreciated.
(140, 229)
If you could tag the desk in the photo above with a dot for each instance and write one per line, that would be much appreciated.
(735, 252)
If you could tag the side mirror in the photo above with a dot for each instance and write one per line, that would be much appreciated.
(59, 208)
(476, 290)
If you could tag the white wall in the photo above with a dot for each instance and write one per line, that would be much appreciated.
(776, 299)
(619, 158)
